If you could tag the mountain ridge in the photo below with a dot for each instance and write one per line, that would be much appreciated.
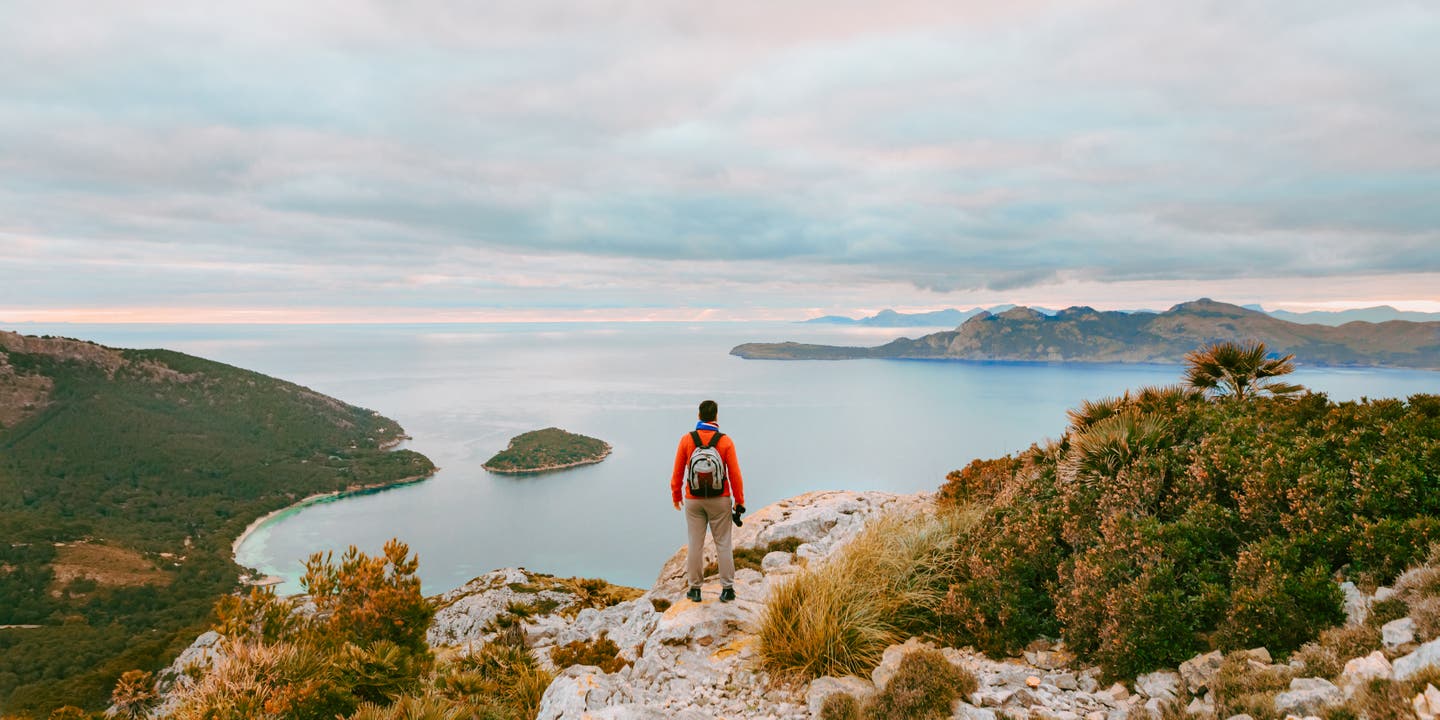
(952, 317)
(1084, 334)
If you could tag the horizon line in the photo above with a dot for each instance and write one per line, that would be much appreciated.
(411, 316)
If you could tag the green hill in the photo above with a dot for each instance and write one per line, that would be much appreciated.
(547, 449)
(1082, 334)
(124, 477)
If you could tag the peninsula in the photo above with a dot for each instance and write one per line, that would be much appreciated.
(1083, 334)
(545, 450)
(155, 461)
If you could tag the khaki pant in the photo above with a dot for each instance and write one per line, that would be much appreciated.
(714, 513)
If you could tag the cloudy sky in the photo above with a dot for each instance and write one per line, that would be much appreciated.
(353, 159)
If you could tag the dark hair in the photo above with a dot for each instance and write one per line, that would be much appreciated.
(708, 411)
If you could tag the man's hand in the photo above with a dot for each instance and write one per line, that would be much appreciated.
(677, 504)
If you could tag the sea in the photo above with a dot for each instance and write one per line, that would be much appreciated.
(462, 391)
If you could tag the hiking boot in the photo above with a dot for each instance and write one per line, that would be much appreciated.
(694, 595)
(727, 594)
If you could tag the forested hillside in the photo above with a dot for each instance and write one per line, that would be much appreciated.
(124, 477)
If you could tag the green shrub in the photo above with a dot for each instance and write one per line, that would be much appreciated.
(504, 681)
(1277, 602)
(923, 688)
(998, 591)
(1140, 597)
(977, 482)
(1384, 611)
(840, 706)
(380, 672)
(601, 652)
(272, 681)
(1382, 548)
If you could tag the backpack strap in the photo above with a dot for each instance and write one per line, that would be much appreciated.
(714, 439)
(695, 438)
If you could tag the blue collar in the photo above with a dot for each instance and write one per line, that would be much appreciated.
(707, 426)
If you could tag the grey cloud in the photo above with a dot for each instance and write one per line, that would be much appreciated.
(943, 146)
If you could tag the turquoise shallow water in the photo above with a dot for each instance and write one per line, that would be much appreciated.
(463, 390)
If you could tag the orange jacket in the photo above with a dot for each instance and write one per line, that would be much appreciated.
(734, 485)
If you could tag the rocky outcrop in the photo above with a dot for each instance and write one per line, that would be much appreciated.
(687, 660)
(80, 351)
(21, 394)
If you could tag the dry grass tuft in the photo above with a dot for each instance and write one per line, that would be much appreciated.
(1242, 688)
(837, 617)
(1351, 641)
(840, 706)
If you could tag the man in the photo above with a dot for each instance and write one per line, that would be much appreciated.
(708, 474)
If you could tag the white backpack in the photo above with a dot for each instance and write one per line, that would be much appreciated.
(705, 473)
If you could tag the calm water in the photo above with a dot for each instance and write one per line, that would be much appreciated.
(462, 391)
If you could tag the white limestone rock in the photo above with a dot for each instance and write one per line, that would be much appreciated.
(776, 560)
(1308, 696)
(1427, 703)
(1199, 671)
(464, 613)
(1159, 685)
(1424, 656)
(966, 711)
(1398, 632)
(1360, 671)
(632, 711)
(192, 663)
(629, 624)
(1357, 606)
(578, 690)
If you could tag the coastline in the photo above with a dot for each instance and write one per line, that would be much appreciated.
(259, 522)
(550, 468)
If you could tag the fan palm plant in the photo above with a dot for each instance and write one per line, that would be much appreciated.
(1242, 372)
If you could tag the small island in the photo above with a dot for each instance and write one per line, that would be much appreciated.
(545, 450)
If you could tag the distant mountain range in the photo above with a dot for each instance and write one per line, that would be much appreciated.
(1083, 334)
(953, 317)
(938, 318)
(1377, 314)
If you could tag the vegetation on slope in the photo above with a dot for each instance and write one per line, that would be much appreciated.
(360, 653)
(1162, 523)
(161, 457)
(547, 449)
